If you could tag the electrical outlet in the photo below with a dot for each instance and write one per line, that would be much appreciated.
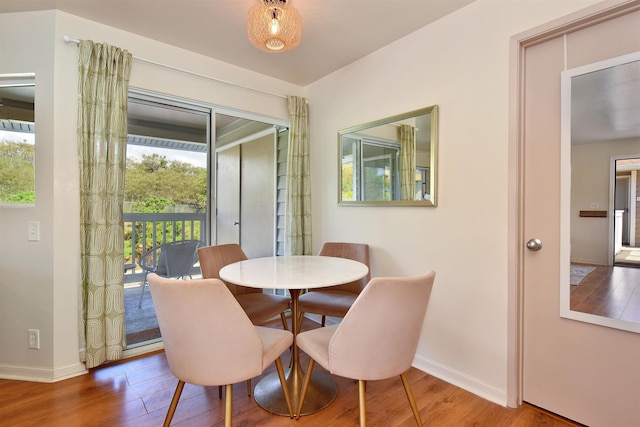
(34, 338)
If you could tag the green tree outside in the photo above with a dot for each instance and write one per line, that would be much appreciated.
(17, 172)
(155, 184)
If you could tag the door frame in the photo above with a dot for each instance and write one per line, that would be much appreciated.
(625, 216)
(516, 240)
(632, 195)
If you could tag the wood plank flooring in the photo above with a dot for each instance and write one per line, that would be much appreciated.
(136, 393)
(608, 291)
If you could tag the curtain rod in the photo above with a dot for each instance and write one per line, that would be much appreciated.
(68, 39)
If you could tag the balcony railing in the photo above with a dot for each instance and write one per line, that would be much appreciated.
(146, 230)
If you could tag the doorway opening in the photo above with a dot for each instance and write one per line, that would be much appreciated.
(626, 223)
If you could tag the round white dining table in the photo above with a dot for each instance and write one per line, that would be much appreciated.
(294, 273)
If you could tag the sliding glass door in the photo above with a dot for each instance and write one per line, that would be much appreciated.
(197, 172)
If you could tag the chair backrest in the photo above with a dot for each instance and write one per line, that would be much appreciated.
(213, 258)
(180, 257)
(208, 338)
(378, 337)
(172, 259)
(355, 251)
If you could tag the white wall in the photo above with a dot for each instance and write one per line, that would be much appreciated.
(26, 268)
(460, 63)
(39, 280)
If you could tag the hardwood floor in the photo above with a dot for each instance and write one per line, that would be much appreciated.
(136, 393)
(612, 292)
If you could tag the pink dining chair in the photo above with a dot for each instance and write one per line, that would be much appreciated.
(336, 300)
(377, 339)
(210, 341)
(259, 306)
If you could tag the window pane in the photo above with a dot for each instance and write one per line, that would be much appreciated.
(379, 171)
(17, 140)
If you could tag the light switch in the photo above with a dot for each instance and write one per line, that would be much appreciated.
(34, 231)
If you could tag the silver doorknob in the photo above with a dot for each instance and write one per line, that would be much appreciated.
(534, 244)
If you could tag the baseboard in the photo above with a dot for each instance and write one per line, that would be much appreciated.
(445, 373)
(41, 375)
(462, 380)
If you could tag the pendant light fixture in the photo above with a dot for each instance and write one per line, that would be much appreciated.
(274, 25)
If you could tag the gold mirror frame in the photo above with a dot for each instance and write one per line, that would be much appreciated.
(430, 179)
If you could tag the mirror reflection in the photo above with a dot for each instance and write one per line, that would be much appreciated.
(390, 161)
(17, 139)
(601, 133)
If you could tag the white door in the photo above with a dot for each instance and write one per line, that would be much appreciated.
(246, 196)
(257, 200)
(585, 372)
(228, 196)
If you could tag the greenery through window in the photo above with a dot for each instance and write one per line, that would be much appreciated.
(17, 139)
(166, 184)
(373, 176)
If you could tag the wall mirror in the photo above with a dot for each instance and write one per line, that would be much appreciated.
(391, 161)
(600, 226)
(17, 139)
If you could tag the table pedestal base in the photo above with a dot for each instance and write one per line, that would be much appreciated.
(322, 391)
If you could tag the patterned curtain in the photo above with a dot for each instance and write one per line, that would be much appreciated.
(407, 162)
(298, 192)
(103, 82)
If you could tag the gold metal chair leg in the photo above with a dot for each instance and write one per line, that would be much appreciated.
(174, 404)
(228, 405)
(363, 402)
(412, 400)
(248, 389)
(305, 386)
(285, 388)
(284, 321)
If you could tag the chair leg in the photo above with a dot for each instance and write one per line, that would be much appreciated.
(174, 404)
(362, 399)
(228, 405)
(248, 389)
(324, 318)
(283, 384)
(412, 400)
(144, 285)
(284, 321)
(305, 386)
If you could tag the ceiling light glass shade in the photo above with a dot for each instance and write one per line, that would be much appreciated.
(274, 25)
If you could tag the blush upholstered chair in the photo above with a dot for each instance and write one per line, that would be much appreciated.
(377, 339)
(209, 340)
(336, 300)
(259, 306)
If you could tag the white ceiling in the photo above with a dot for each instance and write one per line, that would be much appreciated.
(605, 104)
(335, 33)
